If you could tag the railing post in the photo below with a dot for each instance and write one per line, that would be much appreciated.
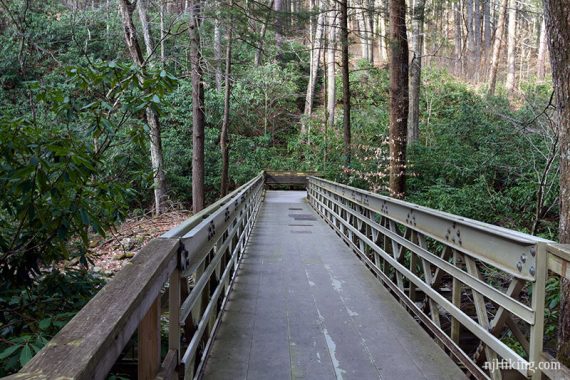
(149, 343)
(537, 304)
(174, 313)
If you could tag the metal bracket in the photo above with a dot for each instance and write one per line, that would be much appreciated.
(183, 257)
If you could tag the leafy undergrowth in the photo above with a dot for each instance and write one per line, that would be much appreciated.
(30, 316)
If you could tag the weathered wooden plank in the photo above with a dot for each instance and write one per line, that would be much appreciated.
(149, 343)
(88, 346)
(168, 367)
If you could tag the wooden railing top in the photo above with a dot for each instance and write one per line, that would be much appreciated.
(88, 346)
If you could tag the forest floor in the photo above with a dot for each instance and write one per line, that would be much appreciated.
(112, 253)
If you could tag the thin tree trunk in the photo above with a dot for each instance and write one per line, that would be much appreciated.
(345, 79)
(370, 41)
(557, 14)
(416, 69)
(476, 38)
(314, 65)
(360, 17)
(458, 39)
(511, 52)
(542, 46)
(198, 117)
(126, 9)
(383, 34)
(162, 35)
(487, 24)
(218, 54)
(143, 15)
(224, 137)
(470, 38)
(398, 97)
(331, 63)
(497, 47)
(278, 25)
(259, 50)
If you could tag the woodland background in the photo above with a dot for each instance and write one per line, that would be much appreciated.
(113, 109)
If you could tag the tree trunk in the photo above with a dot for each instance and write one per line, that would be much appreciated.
(398, 97)
(557, 14)
(162, 34)
(476, 38)
(345, 79)
(416, 69)
(497, 47)
(458, 39)
(362, 30)
(198, 117)
(382, 38)
(541, 60)
(314, 64)
(370, 14)
(259, 50)
(331, 62)
(487, 25)
(156, 156)
(218, 54)
(143, 15)
(470, 38)
(224, 136)
(277, 6)
(511, 52)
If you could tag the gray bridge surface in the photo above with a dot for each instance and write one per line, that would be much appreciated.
(305, 307)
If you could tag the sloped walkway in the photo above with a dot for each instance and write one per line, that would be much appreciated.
(305, 307)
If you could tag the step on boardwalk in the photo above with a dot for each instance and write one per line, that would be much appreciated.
(305, 307)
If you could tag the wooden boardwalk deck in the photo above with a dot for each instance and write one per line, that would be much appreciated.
(305, 307)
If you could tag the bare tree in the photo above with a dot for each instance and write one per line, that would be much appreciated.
(398, 97)
(278, 25)
(476, 38)
(126, 9)
(418, 10)
(198, 117)
(458, 38)
(259, 50)
(331, 63)
(511, 45)
(224, 136)
(487, 26)
(314, 64)
(218, 53)
(345, 79)
(497, 47)
(542, 47)
(557, 14)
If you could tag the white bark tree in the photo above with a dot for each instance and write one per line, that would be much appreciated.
(511, 48)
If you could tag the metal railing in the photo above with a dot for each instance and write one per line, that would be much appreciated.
(453, 274)
(196, 261)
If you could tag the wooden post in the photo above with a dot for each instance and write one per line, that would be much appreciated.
(174, 313)
(149, 343)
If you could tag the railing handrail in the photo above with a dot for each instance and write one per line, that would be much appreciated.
(389, 234)
(506, 233)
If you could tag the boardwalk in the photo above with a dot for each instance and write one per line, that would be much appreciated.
(305, 307)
